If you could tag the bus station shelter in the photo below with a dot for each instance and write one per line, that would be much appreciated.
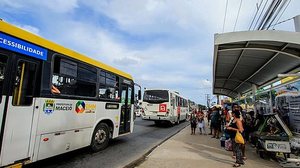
(245, 61)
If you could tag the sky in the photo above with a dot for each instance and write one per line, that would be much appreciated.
(161, 43)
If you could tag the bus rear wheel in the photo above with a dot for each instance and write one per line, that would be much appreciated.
(157, 122)
(100, 137)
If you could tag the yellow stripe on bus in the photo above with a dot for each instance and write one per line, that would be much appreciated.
(27, 36)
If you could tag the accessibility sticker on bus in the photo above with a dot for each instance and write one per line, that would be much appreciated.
(20, 46)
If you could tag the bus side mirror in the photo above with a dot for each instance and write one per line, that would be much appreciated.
(139, 94)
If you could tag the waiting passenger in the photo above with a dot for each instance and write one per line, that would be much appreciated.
(193, 120)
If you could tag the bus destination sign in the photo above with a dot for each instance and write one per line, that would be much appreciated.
(20, 46)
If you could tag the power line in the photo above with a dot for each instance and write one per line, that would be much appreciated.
(267, 14)
(225, 16)
(237, 15)
(282, 22)
(274, 13)
(274, 9)
(258, 7)
(280, 6)
(260, 14)
(281, 16)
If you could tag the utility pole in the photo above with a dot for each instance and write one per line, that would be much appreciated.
(207, 100)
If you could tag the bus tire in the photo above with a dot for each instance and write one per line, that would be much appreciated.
(100, 137)
(157, 122)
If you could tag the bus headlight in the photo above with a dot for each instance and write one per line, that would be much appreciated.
(167, 113)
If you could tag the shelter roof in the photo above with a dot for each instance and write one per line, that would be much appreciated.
(253, 57)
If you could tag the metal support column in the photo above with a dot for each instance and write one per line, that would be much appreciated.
(254, 89)
(297, 23)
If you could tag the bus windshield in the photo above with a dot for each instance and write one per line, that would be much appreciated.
(156, 96)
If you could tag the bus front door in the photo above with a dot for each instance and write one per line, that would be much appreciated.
(126, 116)
(3, 89)
(18, 109)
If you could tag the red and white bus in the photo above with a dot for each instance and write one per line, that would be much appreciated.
(164, 105)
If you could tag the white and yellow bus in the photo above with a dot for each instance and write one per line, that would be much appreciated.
(164, 105)
(55, 100)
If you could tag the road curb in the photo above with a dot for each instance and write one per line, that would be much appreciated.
(140, 160)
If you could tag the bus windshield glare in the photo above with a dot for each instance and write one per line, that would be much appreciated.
(156, 96)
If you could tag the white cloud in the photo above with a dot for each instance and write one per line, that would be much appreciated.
(171, 16)
(163, 79)
(94, 42)
(126, 61)
(154, 16)
(9, 3)
(155, 66)
(30, 28)
(205, 83)
(58, 6)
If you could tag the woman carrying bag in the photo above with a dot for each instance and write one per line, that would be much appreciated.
(235, 129)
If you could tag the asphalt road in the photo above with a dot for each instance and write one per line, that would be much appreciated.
(121, 151)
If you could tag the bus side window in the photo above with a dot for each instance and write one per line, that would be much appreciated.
(64, 76)
(73, 78)
(109, 86)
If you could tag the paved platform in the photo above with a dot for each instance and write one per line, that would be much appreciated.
(195, 151)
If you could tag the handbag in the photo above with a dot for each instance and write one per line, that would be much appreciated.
(228, 145)
(239, 138)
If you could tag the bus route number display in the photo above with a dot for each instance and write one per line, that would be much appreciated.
(162, 108)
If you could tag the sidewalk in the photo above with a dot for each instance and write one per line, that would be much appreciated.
(194, 151)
